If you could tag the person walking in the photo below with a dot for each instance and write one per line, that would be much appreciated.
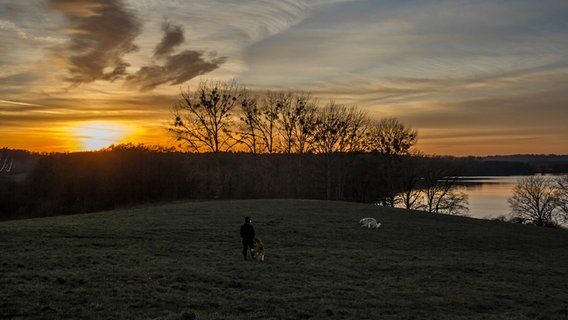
(247, 234)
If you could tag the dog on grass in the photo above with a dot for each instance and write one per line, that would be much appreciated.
(259, 248)
(370, 223)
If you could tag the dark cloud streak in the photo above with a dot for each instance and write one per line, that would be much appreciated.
(176, 68)
(102, 32)
(173, 36)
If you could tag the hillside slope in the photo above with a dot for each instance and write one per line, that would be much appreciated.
(183, 261)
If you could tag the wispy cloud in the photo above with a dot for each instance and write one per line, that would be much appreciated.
(18, 103)
(226, 26)
(101, 33)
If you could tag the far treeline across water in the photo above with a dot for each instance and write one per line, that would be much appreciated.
(64, 183)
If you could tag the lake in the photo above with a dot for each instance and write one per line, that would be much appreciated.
(488, 195)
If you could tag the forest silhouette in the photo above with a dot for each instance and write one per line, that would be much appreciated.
(123, 175)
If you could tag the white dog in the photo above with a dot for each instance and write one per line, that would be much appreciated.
(369, 223)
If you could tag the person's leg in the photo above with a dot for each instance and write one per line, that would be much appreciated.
(245, 249)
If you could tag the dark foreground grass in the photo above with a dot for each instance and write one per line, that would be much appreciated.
(183, 261)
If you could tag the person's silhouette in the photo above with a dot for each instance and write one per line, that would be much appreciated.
(247, 234)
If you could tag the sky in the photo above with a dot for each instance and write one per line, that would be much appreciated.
(473, 77)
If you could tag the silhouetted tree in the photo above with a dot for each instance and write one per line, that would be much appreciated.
(391, 137)
(338, 128)
(357, 131)
(250, 124)
(203, 118)
(534, 201)
(390, 182)
(306, 112)
(336, 131)
(561, 190)
(454, 203)
(440, 189)
(411, 178)
(287, 120)
(267, 120)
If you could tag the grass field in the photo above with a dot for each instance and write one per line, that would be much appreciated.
(183, 261)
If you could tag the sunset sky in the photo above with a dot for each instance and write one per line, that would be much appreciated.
(473, 77)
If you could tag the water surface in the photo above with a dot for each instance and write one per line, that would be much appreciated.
(488, 194)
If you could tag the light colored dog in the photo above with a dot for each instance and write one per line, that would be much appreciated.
(259, 249)
(369, 223)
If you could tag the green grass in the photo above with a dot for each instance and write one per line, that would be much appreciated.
(183, 261)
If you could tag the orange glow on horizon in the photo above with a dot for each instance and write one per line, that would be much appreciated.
(95, 135)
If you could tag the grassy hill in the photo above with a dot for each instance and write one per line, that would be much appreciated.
(183, 261)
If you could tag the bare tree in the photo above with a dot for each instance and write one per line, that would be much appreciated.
(454, 203)
(250, 124)
(410, 199)
(437, 188)
(203, 118)
(357, 131)
(534, 201)
(306, 111)
(440, 189)
(561, 192)
(287, 119)
(336, 130)
(411, 180)
(389, 177)
(264, 117)
(267, 124)
(331, 126)
(390, 136)
(339, 129)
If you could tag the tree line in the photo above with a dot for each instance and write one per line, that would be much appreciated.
(222, 116)
(123, 175)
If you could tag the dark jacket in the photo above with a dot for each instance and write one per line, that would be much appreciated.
(247, 232)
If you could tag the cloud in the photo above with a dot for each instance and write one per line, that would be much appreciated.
(173, 36)
(176, 68)
(118, 72)
(40, 110)
(101, 33)
(424, 39)
(11, 26)
(21, 78)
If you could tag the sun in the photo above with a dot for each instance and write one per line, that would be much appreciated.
(97, 135)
